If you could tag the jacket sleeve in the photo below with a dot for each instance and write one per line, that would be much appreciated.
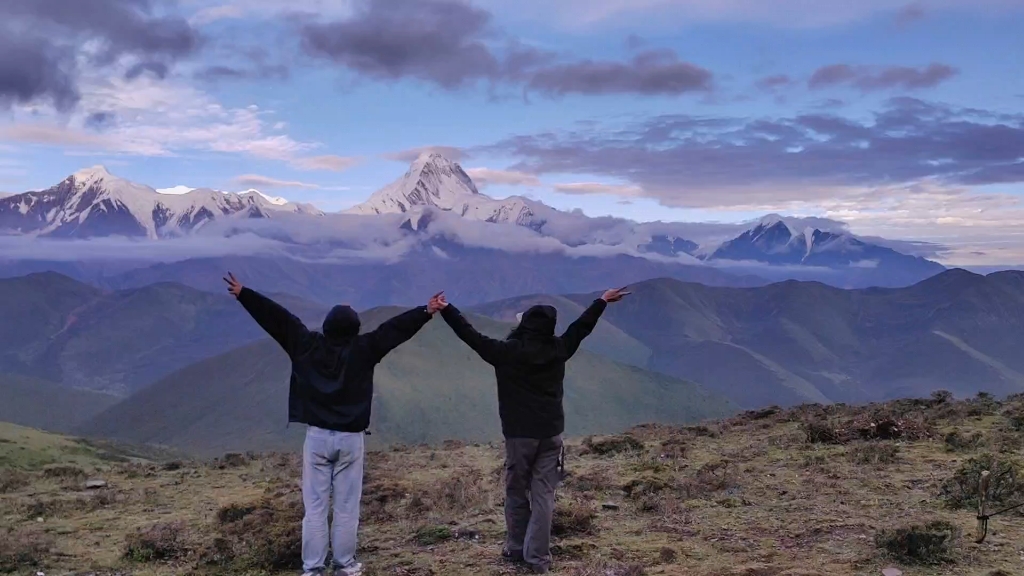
(396, 331)
(281, 324)
(583, 326)
(490, 350)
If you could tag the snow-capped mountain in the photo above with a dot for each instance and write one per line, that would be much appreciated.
(276, 200)
(437, 182)
(93, 202)
(773, 240)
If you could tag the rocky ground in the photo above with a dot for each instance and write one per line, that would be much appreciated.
(804, 491)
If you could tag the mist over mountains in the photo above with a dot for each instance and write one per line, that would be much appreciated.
(98, 227)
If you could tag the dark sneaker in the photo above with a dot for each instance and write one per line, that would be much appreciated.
(511, 556)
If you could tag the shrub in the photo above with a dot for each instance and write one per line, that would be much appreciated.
(64, 472)
(572, 518)
(1015, 416)
(234, 513)
(942, 397)
(1006, 484)
(164, 541)
(21, 549)
(929, 543)
(874, 454)
(611, 445)
(821, 431)
(957, 441)
(711, 478)
(269, 537)
(11, 480)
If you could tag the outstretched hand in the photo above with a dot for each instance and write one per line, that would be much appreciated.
(437, 302)
(234, 286)
(615, 294)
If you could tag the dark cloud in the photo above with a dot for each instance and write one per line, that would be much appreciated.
(452, 44)
(31, 71)
(910, 14)
(38, 40)
(100, 120)
(222, 72)
(650, 72)
(441, 41)
(701, 161)
(634, 42)
(158, 69)
(868, 78)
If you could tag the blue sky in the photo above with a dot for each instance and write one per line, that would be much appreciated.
(902, 119)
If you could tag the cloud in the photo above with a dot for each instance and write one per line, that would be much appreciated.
(328, 162)
(484, 176)
(218, 72)
(868, 79)
(43, 43)
(910, 14)
(440, 41)
(587, 188)
(213, 14)
(258, 181)
(452, 44)
(753, 163)
(653, 72)
(450, 152)
(775, 81)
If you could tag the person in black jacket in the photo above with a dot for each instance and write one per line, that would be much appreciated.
(530, 368)
(331, 391)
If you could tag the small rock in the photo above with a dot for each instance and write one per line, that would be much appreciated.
(892, 572)
(610, 506)
(95, 484)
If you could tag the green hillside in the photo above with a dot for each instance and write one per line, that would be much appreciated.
(63, 331)
(796, 342)
(48, 406)
(431, 389)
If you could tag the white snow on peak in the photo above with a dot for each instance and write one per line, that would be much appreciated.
(275, 200)
(176, 190)
(435, 181)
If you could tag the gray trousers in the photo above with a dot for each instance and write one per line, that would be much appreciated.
(531, 476)
(331, 462)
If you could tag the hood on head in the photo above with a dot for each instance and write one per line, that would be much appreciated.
(540, 319)
(342, 323)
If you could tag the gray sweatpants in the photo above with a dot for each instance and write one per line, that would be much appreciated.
(331, 461)
(531, 466)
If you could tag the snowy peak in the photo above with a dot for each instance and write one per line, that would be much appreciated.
(275, 200)
(434, 181)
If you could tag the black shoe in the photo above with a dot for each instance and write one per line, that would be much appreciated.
(516, 557)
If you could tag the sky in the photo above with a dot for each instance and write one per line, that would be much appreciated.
(904, 120)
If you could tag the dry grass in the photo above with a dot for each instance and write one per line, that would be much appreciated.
(750, 496)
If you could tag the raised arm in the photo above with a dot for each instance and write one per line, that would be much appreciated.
(492, 351)
(278, 322)
(397, 331)
(587, 321)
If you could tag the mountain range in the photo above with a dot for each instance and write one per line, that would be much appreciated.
(434, 209)
(796, 342)
(431, 389)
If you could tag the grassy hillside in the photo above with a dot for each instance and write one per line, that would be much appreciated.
(49, 406)
(796, 342)
(63, 331)
(430, 389)
(810, 491)
(23, 448)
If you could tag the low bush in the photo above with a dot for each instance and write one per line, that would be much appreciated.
(930, 543)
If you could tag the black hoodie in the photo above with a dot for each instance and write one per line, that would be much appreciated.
(529, 366)
(332, 372)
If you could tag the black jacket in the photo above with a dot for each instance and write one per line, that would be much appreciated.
(529, 366)
(332, 373)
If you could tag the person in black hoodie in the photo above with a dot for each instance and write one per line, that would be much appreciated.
(331, 391)
(529, 366)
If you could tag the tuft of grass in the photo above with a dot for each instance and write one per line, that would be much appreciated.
(431, 535)
(930, 543)
(957, 441)
(160, 542)
(12, 480)
(23, 549)
(874, 454)
(612, 445)
(573, 519)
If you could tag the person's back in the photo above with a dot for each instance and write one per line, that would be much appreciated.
(529, 367)
(331, 390)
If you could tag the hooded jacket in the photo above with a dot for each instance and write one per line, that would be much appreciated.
(332, 372)
(529, 366)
